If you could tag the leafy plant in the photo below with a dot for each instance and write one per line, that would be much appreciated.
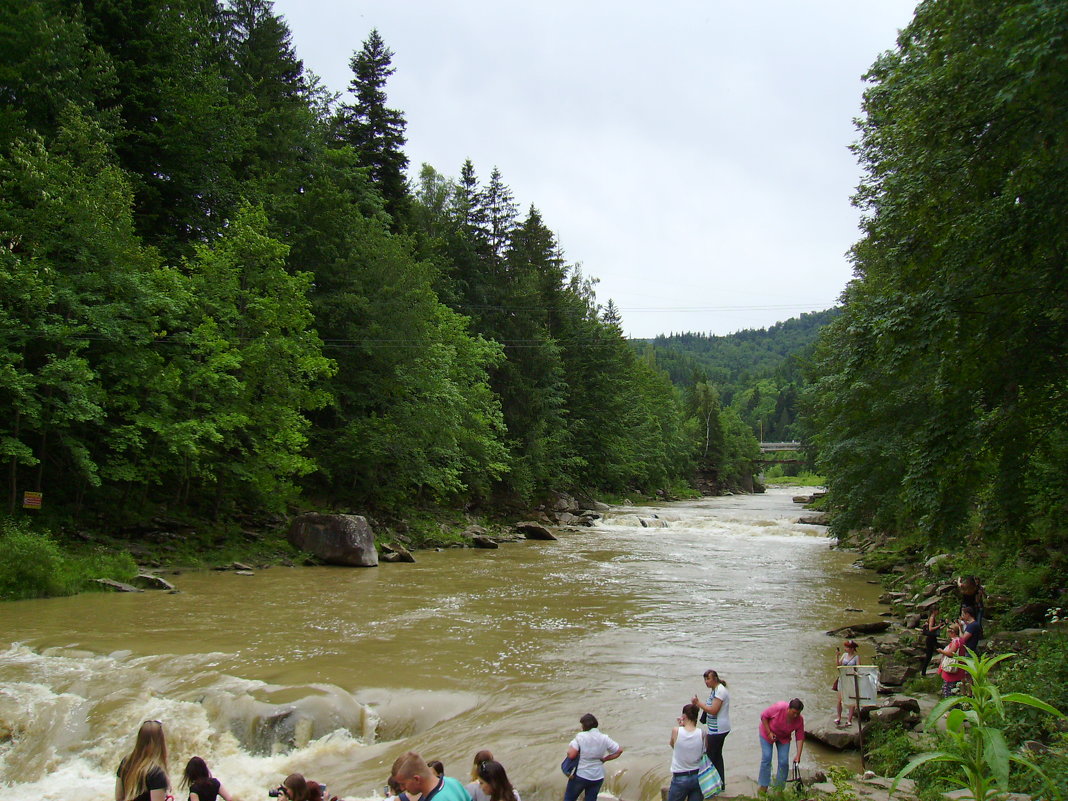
(979, 749)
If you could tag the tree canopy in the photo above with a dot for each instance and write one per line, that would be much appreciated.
(938, 399)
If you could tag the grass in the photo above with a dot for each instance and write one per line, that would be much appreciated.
(802, 480)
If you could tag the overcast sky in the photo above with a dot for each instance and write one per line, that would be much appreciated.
(692, 156)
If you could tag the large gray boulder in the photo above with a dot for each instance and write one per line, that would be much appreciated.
(345, 540)
(839, 739)
(150, 581)
(534, 531)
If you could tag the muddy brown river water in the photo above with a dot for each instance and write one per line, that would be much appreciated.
(333, 672)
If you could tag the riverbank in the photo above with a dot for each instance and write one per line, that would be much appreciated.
(37, 563)
(1021, 618)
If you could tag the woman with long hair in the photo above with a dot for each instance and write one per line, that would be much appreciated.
(474, 787)
(718, 717)
(201, 784)
(687, 747)
(142, 774)
(494, 782)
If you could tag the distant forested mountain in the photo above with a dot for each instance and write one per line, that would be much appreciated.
(757, 372)
(735, 360)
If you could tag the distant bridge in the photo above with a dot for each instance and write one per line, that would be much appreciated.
(769, 447)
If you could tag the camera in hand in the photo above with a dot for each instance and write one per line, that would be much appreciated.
(276, 792)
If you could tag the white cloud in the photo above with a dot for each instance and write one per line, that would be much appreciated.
(691, 155)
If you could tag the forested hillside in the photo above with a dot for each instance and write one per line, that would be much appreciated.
(757, 372)
(224, 288)
(938, 401)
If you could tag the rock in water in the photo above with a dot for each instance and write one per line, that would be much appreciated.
(534, 531)
(345, 540)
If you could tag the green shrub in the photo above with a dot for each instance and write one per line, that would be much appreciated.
(1041, 672)
(31, 564)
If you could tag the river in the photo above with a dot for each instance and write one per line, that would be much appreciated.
(333, 672)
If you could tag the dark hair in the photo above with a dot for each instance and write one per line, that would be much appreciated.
(797, 703)
(588, 722)
(691, 711)
(437, 766)
(493, 774)
(196, 769)
(315, 791)
(967, 610)
(296, 784)
(851, 643)
(711, 674)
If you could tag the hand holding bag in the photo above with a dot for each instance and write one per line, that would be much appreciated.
(570, 765)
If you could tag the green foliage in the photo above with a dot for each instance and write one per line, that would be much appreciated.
(32, 565)
(842, 790)
(979, 752)
(1043, 673)
(937, 398)
(217, 291)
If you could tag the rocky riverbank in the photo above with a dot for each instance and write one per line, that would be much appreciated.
(915, 583)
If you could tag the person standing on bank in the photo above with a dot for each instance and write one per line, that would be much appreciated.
(593, 749)
(930, 633)
(844, 681)
(142, 775)
(717, 716)
(687, 748)
(777, 723)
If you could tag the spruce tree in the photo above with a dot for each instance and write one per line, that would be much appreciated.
(373, 129)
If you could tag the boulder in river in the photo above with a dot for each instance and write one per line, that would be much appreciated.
(395, 552)
(150, 581)
(117, 586)
(534, 531)
(482, 541)
(345, 540)
(853, 629)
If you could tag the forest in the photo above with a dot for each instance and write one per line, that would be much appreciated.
(759, 373)
(937, 400)
(224, 289)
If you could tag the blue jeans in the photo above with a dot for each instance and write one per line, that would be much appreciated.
(684, 788)
(783, 757)
(576, 784)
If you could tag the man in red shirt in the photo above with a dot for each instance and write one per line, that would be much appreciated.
(777, 723)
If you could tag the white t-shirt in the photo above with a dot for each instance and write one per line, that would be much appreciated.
(688, 750)
(720, 723)
(592, 746)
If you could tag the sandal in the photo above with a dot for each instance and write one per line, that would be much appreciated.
(837, 721)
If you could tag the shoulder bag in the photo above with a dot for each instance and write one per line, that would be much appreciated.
(570, 765)
(708, 778)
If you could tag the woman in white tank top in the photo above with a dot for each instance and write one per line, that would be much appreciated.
(687, 747)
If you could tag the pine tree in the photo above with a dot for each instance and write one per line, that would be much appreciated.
(375, 130)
